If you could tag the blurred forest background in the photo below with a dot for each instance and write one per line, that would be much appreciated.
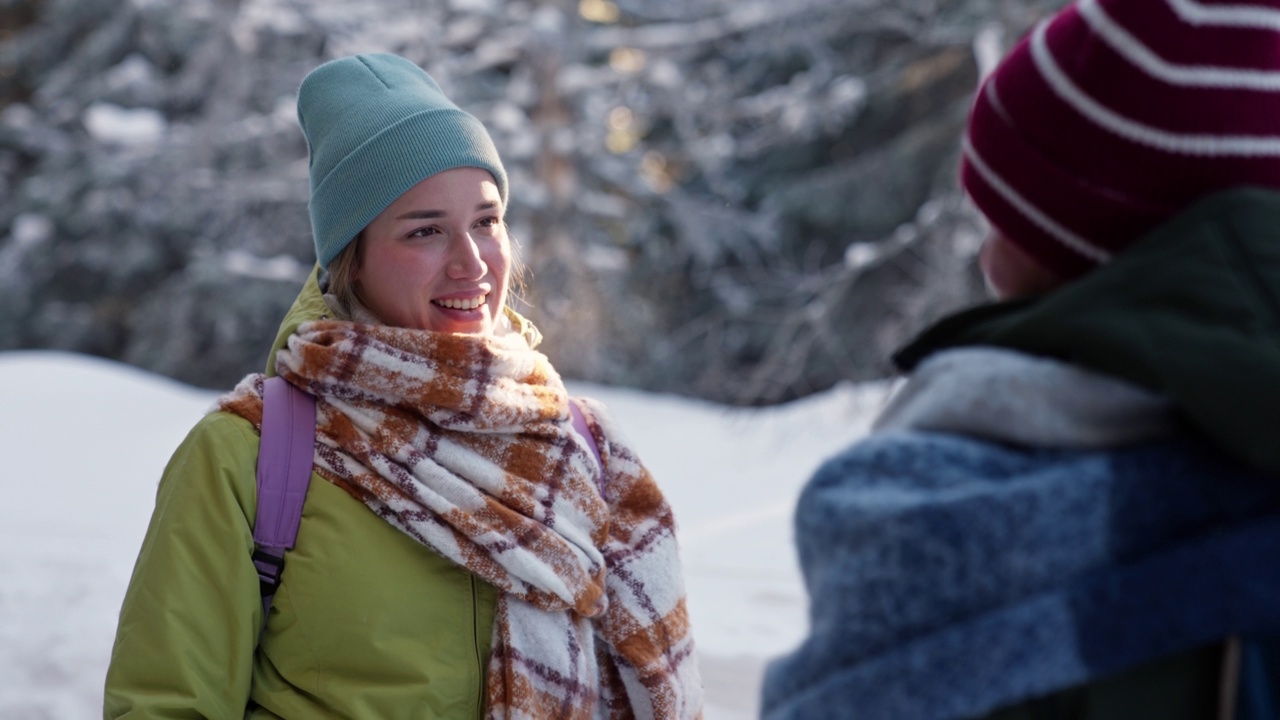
(741, 200)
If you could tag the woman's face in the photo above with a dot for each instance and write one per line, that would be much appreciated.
(438, 258)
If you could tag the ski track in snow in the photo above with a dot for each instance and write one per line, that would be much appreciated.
(85, 442)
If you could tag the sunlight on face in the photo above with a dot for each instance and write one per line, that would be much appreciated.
(438, 258)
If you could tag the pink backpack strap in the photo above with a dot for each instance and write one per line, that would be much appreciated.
(285, 456)
(580, 425)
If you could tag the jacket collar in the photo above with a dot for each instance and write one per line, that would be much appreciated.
(1190, 312)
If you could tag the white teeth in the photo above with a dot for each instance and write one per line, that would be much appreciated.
(463, 304)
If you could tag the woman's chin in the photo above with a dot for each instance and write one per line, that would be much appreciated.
(462, 322)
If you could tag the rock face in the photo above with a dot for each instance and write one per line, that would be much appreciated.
(744, 201)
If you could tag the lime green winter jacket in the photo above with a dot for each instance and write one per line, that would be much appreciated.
(367, 623)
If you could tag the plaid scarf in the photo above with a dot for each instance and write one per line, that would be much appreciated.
(465, 443)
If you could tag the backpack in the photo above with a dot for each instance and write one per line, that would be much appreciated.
(284, 472)
(285, 456)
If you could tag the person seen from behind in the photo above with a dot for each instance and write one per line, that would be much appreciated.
(1071, 508)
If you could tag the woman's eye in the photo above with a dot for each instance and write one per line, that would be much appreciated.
(489, 222)
(423, 232)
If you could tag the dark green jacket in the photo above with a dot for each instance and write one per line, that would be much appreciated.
(1191, 311)
(367, 623)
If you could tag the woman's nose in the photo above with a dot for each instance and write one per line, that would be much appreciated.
(465, 262)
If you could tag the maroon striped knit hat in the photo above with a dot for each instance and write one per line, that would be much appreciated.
(1113, 115)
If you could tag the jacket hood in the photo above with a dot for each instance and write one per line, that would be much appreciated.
(308, 306)
(1191, 311)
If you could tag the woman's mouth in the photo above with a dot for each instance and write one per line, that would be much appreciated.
(461, 303)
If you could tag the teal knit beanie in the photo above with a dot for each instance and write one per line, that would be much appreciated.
(376, 125)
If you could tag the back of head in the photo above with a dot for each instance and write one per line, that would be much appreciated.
(376, 125)
(1114, 115)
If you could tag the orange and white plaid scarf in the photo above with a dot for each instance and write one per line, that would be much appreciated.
(465, 443)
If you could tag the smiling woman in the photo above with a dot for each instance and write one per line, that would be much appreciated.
(474, 542)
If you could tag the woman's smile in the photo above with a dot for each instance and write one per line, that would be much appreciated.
(461, 303)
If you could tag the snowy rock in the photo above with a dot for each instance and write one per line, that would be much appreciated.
(112, 124)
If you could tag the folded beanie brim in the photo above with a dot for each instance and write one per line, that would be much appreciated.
(391, 162)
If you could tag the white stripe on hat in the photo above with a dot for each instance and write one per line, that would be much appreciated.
(1247, 16)
(1202, 145)
(996, 103)
(1140, 55)
(1033, 213)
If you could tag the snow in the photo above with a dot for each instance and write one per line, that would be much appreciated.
(85, 441)
(135, 71)
(31, 229)
(988, 48)
(112, 124)
(280, 267)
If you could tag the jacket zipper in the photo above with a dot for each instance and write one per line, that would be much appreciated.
(475, 641)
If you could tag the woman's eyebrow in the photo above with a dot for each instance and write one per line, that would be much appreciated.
(421, 215)
(433, 214)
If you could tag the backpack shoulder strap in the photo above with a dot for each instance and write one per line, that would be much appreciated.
(580, 425)
(285, 456)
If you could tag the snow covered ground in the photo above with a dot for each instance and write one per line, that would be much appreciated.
(85, 440)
